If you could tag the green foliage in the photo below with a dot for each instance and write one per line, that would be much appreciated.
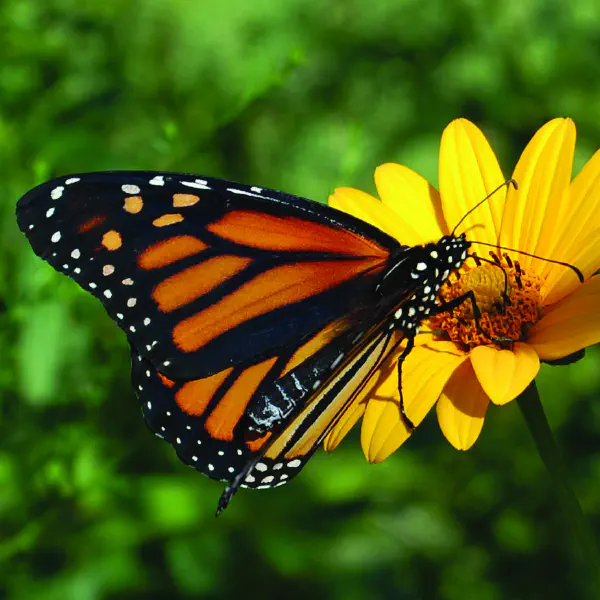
(300, 96)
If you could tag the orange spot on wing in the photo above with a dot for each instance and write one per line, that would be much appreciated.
(133, 204)
(258, 443)
(165, 380)
(278, 287)
(169, 251)
(112, 240)
(268, 232)
(189, 284)
(194, 396)
(91, 223)
(180, 200)
(226, 415)
(168, 219)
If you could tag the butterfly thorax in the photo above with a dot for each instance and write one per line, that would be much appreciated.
(415, 275)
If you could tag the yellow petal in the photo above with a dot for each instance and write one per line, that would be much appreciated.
(461, 408)
(367, 208)
(424, 374)
(532, 213)
(469, 171)
(578, 235)
(413, 199)
(570, 325)
(585, 257)
(504, 374)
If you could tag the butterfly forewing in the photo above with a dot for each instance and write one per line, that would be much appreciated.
(201, 274)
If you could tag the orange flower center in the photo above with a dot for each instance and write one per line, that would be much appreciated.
(508, 298)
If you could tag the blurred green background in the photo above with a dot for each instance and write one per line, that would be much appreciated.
(301, 96)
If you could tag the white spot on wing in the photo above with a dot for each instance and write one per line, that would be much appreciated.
(50, 212)
(337, 361)
(158, 180)
(130, 189)
(55, 237)
(243, 192)
(197, 183)
(72, 180)
(57, 192)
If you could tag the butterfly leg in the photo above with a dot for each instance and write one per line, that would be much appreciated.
(410, 344)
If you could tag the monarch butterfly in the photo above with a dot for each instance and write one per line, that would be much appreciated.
(254, 317)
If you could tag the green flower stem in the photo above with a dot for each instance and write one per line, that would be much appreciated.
(533, 412)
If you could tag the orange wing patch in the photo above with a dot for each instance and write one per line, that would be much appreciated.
(181, 200)
(223, 419)
(194, 396)
(169, 251)
(187, 285)
(112, 240)
(268, 232)
(91, 223)
(276, 288)
(168, 219)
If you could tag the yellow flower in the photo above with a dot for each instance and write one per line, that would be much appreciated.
(550, 313)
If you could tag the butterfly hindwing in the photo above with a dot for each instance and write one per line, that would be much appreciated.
(215, 425)
(202, 273)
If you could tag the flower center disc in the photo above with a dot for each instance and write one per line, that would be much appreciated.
(508, 298)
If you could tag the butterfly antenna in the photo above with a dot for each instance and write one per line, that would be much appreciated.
(507, 183)
(550, 260)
